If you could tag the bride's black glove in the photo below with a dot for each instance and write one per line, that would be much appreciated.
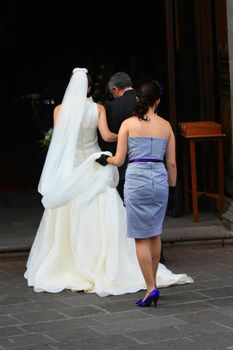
(102, 159)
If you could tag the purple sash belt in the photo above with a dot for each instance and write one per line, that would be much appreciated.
(144, 160)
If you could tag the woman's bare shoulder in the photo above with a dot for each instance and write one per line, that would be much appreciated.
(100, 107)
(164, 121)
(127, 123)
(55, 113)
(57, 109)
(130, 120)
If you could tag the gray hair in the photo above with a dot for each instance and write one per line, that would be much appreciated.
(121, 80)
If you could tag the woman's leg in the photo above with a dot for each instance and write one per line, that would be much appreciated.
(143, 250)
(155, 245)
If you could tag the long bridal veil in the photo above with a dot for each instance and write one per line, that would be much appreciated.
(59, 171)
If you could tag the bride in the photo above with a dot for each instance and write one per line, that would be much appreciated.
(81, 242)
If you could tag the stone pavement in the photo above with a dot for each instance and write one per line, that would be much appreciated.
(192, 316)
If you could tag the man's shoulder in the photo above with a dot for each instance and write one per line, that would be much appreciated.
(129, 95)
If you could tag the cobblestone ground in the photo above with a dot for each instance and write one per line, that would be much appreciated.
(192, 316)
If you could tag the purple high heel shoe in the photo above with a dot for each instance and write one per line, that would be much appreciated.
(151, 298)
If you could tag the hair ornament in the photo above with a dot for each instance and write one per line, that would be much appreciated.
(75, 70)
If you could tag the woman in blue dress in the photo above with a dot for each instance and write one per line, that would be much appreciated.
(150, 143)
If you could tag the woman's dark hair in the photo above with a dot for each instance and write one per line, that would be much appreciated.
(148, 92)
(89, 82)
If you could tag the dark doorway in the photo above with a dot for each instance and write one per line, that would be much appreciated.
(42, 44)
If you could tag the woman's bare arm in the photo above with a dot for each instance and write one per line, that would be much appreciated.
(105, 133)
(55, 114)
(170, 157)
(122, 146)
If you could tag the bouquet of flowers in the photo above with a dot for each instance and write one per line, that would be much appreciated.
(45, 142)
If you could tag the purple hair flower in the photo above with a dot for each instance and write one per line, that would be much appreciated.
(161, 90)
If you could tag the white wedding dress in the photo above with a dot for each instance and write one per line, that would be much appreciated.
(82, 245)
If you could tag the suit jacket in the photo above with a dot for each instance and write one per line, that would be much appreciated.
(117, 111)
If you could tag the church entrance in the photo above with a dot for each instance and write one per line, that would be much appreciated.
(160, 43)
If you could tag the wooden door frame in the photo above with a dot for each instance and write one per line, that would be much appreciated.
(172, 43)
(169, 23)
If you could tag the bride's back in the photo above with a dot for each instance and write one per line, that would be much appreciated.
(87, 142)
(87, 139)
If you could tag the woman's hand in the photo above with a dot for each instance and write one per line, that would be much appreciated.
(102, 159)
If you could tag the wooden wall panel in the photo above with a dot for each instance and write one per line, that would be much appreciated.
(205, 57)
(223, 75)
